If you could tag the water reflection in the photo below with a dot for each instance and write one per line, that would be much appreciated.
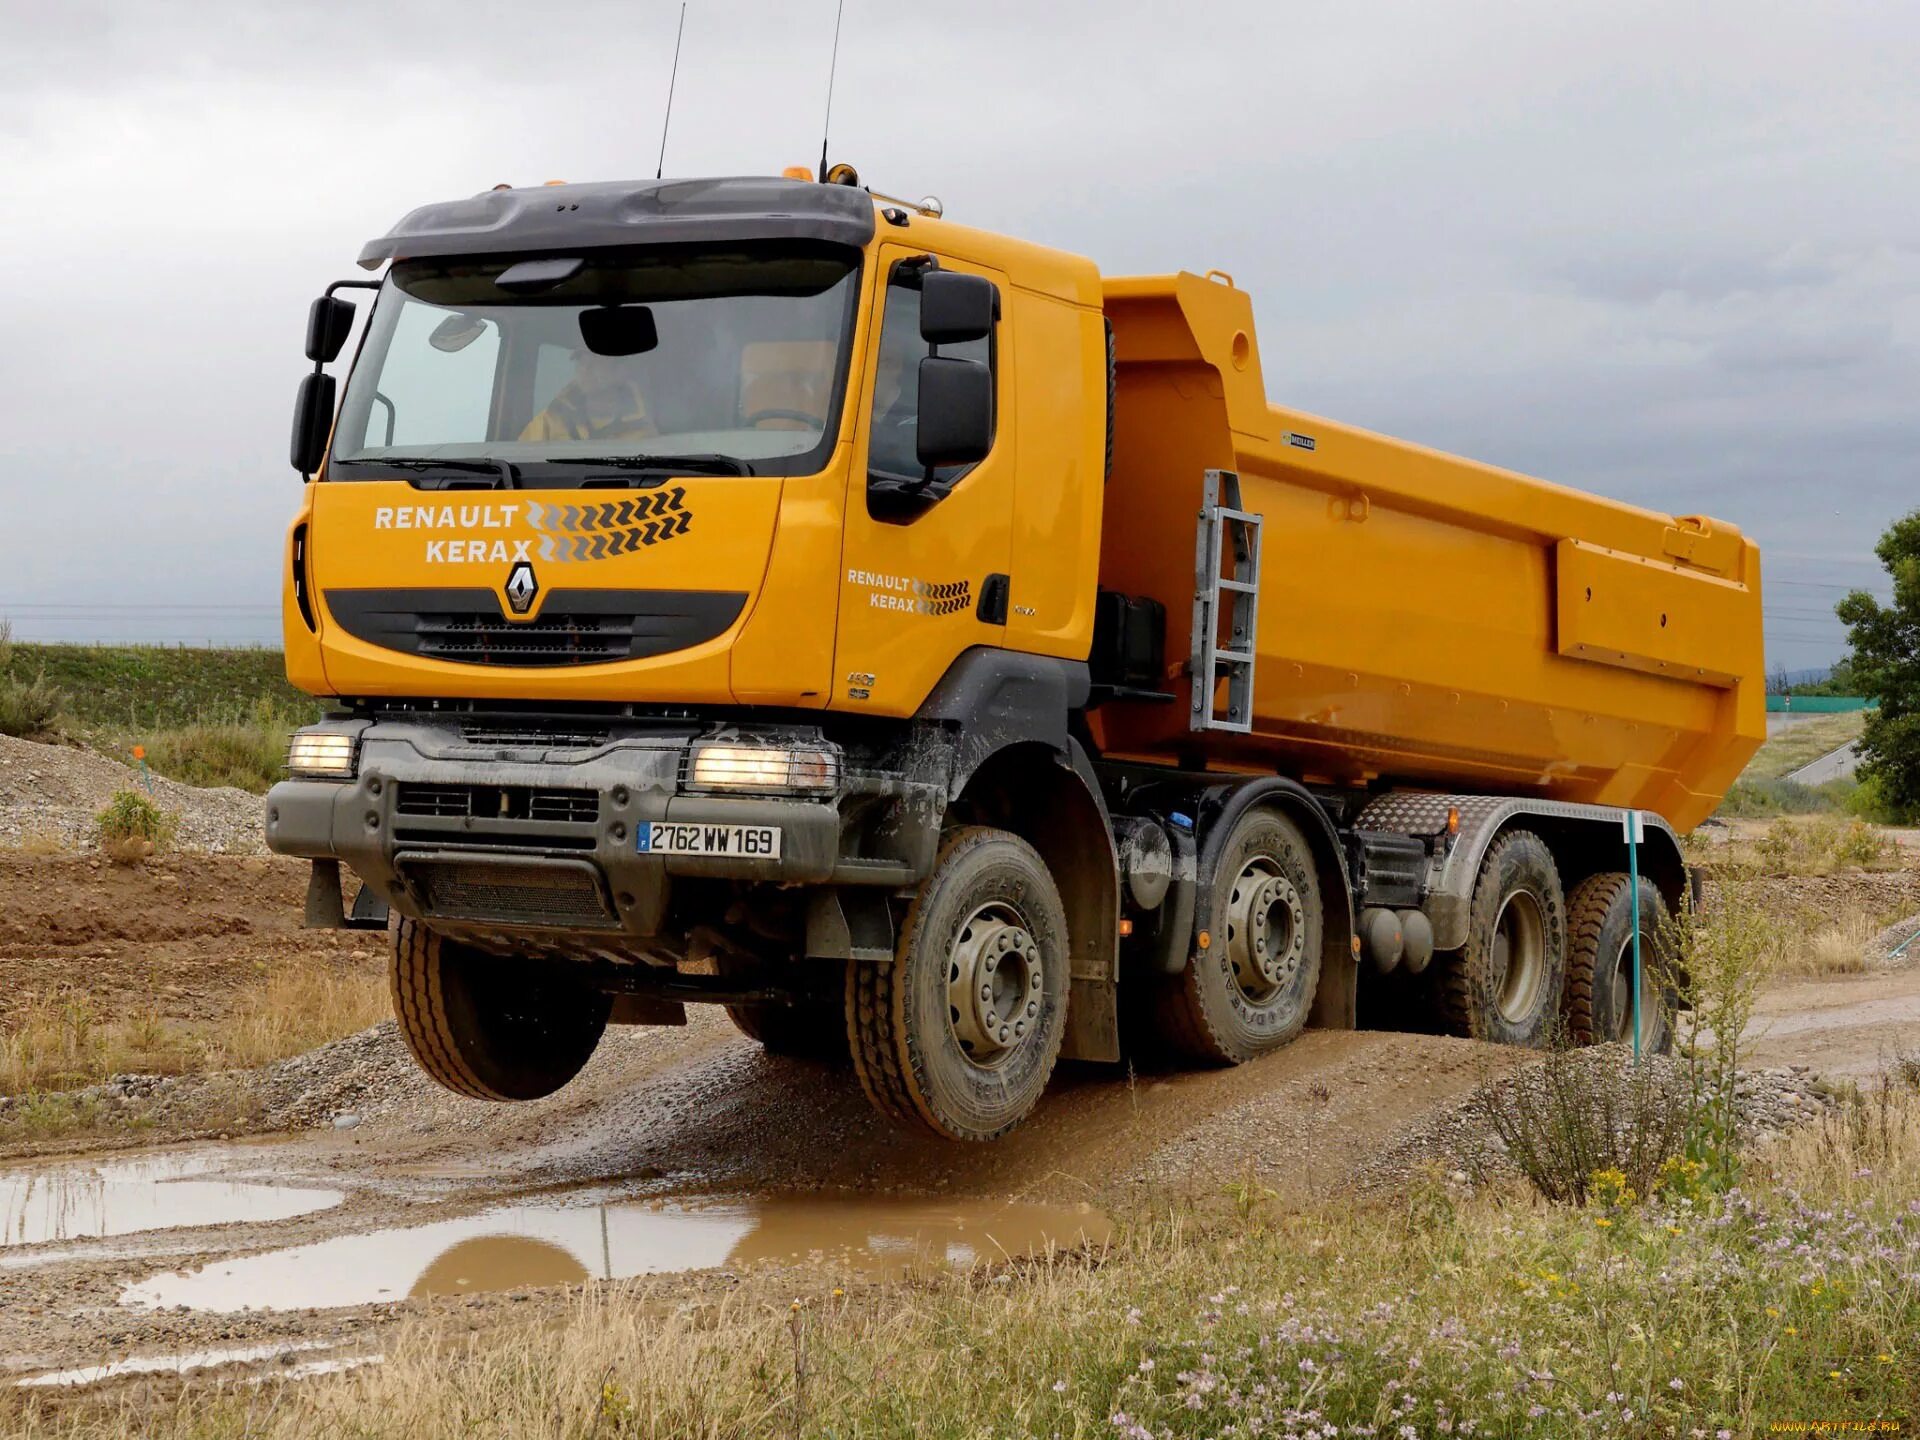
(554, 1244)
(82, 1201)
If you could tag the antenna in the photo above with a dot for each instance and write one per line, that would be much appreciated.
(672, 80)
(833, 67)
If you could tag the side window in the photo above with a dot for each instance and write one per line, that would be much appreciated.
(898, 485)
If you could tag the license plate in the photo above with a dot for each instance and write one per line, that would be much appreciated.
(750, 842)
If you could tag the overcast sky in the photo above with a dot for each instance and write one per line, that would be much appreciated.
(1665, 251)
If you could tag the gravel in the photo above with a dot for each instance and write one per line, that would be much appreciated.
(1880, 949)
(50, 794)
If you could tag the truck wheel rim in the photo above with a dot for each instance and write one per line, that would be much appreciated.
(1519, 957)
(1266, 938)
(1622, 989)
(995, 988)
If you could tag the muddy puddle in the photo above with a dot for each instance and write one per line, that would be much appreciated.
(552, 1244)
(171, 1191)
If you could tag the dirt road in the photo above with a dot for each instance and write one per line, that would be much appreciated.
(685, 1157)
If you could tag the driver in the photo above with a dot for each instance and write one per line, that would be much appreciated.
(600, 402)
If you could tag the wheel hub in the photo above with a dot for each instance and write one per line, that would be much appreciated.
(1519, 957)
(1266, 939)
(993, 984)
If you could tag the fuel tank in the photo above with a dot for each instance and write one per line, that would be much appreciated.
(1421, 619)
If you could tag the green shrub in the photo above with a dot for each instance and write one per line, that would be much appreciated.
(30, 709)
(132, 826)
(1822, 845)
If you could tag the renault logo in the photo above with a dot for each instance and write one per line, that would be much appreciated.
(521, 588)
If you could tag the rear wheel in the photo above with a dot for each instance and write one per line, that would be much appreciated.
(959, 1034)
(489, 1027)
(1251, 988)
(1505, 984)
(1600, 964)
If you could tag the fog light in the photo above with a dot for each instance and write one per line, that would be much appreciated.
(766, 768)
(322, 755)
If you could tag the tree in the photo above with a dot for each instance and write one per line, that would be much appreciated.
(1886, 666)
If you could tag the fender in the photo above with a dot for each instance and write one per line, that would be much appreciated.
(1585, 839)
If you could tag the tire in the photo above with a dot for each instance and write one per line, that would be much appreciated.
(1251, 990)
(989, 915)
(816, 1029)
(487, 1027)
(1506, 984)
(1600, 964)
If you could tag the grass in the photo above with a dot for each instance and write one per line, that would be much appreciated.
(1803, 743)
(140, 690)
(246, 754)
(58, 1041)
(203, 717)
(1447, 1312)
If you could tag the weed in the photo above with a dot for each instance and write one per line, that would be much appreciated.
(31, 709)
(246, 754)
(1720, 957)
(1821, 846)
(1582, 1116)
(132, 827)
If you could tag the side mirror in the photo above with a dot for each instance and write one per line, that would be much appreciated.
(956, 308)
(329, 322)
(312, 419)
(619, 330)
(956, 411)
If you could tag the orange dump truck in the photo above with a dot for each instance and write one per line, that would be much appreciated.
(771, 594)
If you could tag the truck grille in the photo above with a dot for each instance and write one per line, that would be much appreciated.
(557, 893)
(577, 626)
(529, 737)
(550, 640)
(497, 802)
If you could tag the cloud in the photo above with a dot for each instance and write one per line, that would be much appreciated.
(1666, 253)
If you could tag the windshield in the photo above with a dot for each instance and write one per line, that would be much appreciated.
(732, 360)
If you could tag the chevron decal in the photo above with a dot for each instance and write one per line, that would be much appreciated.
(568, 533)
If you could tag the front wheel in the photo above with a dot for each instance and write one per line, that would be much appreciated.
(489, 1027)
(959, 1034)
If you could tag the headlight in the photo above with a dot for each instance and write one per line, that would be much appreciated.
(804, 770)
(323, 755)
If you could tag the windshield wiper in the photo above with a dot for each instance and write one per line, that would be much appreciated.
(505, 470)
(710, 464)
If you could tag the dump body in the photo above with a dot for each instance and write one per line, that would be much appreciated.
(1422, 619)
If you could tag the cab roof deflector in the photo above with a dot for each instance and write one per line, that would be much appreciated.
(629, 212)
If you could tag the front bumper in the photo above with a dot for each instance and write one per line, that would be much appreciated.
(525, 839)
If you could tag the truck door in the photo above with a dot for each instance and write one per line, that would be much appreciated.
(926, 555)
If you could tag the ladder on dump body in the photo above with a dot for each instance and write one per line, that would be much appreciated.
(1235, 596)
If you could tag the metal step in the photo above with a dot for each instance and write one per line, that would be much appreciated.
(1226, 591)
